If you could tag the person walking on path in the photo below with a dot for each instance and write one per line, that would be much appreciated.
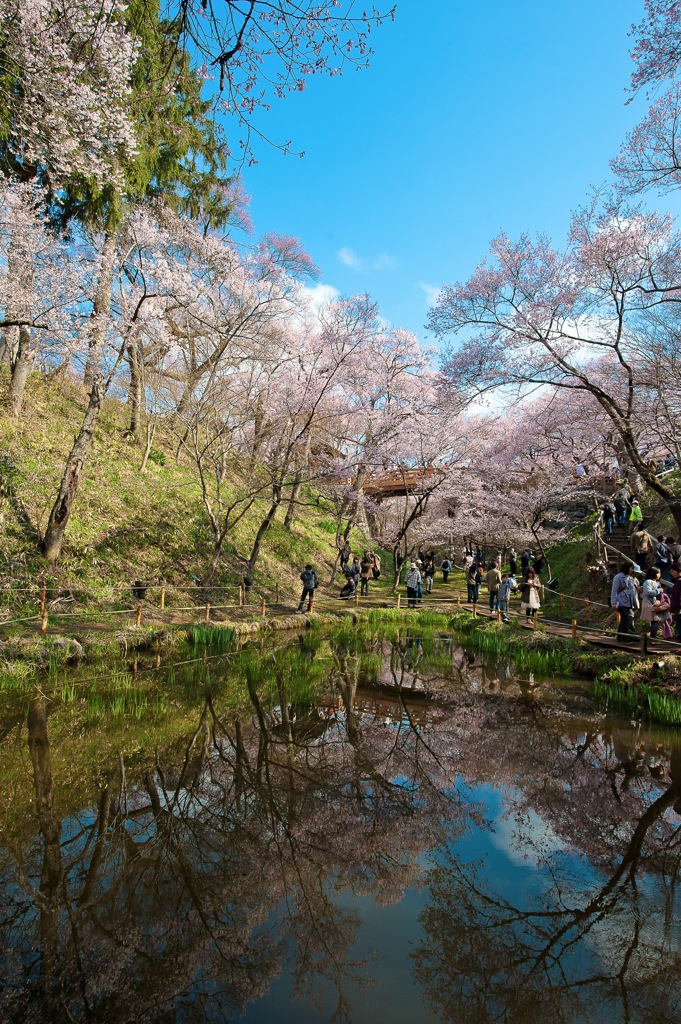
(512, 562)
(525, 562)
(493, 581)
(472, 583)
(636, 514)
(529, 594)
(624, 599)
(608, 517)
(365, 572)
(419, 589)
(641, 545)
(675, 605)
(446, 567)
(309, 578)
(376, 567)
(620, 509)
(505, 590)
(651, 592)
(662, 558)
(413, 581)
(429, 574)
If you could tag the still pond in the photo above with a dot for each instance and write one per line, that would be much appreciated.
(377, 828)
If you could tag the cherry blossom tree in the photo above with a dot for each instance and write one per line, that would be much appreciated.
(41, 289)
(261, 52)
(66, 71)
(532, 316)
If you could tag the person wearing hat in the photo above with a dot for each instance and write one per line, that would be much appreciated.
(624, 599)
(636, 514)
(413, 581)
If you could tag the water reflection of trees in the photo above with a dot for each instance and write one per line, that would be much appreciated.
(188, 889)
(573, 939)
(189, 885)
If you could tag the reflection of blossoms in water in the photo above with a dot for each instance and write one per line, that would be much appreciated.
(234, 857)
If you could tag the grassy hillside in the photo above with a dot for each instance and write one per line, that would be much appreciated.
(127, 525)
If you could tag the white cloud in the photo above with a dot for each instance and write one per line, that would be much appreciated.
(384, 261)
(320, 295)
(431, 292)
(349, 258)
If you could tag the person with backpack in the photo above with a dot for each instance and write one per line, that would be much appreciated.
(309, 578)
(376, 567)
(608, 512)
(446, 567)
(429, 574)
(621, 507)
(365, 573)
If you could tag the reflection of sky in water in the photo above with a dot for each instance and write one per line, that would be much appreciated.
(498, 818)
(526, 859)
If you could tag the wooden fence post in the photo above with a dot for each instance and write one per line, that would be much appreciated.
(458, 600)
(534, 620)
(542, 591)
(357, 599)
(262, 608)
(208, 613)
(241, 595)
(138, 618)
(163, 598)
(475, 610)
(43, 623)
(43, 598)
(644, 643)
(311, 601)
(498, 614)
(574, 629)
(562, 603)
(276, 592)
(399, 599)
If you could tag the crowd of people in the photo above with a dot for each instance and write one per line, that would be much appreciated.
(651, 585)
(655, 593)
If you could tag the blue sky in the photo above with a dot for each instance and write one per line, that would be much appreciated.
(471, 119)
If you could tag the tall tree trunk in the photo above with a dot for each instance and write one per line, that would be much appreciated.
(17, 341)
(295, 491)
(263, 528)
(59, 516)
(101, 309)
(136, 391)
(22, 369)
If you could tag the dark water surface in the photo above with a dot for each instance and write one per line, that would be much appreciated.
(378, 830)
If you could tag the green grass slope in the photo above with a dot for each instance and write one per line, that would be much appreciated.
(126, 525)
